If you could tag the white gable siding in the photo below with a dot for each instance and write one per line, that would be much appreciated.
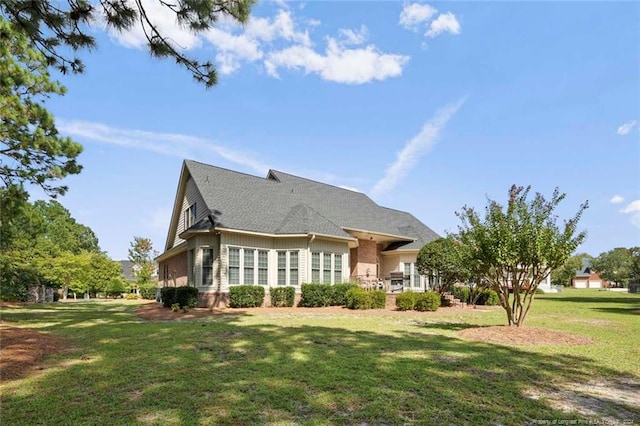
(191, 195)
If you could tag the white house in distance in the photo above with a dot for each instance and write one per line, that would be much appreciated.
(229, 228)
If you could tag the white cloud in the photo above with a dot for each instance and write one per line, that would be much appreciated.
(419, 145)
(444, 23)
(414, 14)
(633, 209)
(616, 199)
(338, 63)
(165, 20)
(174, 144)
(279, 41)
(627, 127)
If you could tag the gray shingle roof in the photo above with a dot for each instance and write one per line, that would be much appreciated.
(288, 204)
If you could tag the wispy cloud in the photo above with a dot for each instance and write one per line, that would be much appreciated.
(174, 144)
(633, 209)
(616, 199)
(627, 127)
(416, 148)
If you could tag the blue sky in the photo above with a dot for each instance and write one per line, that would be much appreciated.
(425, 107)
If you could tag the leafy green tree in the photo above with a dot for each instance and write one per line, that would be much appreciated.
(515, 248)
(565, 273)
(615, 265)
(141, 254)
(443, 259)
(100, 272)
(62, 232)
(115, 287)
(635, 265)
(31, 151)
(58, 27)
(70, 271)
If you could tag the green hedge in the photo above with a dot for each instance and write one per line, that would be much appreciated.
(316, 295)
(282, 296)
(462, 293)
(357, 298)
(339, 292)
(406, 301)
(182, 296)
(246, 296)
(168, 296)
(489, 298)
(428, 301)
(148, 291)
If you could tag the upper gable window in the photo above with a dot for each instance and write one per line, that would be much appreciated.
(190, 216)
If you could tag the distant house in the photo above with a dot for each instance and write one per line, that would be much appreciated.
(588, 278)
(229, 228)
(128, 271)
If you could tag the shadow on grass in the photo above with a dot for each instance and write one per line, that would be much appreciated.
(226, 372)
(614, 305)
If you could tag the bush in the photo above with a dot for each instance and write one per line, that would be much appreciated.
(131, 296)
(56, 295)
(148, 290)
(406, 301)
(489, 298)
(428, 301)
(357, 298)
(338, 292)
(378, 299)
(115, 287)
(168, 296)
(186, 296)
(316, 295)
(282, 296)
(246, 296)
(462, 293)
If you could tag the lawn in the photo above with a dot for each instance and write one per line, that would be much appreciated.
(330, 368)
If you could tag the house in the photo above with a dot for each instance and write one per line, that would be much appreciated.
(128, 271)
(229, 228)
(587, 277)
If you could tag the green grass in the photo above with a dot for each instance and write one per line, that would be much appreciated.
(351, 368)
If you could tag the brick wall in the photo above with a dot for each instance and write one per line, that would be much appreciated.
(362, 258)
(177, 267)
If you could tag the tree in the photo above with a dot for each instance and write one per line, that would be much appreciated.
(565, 273)
(141, 255)
(56, 27)
(517, 247)
(70, 271)
(443, 260)
(101, 271)
(615, 265)
(31, 151)
(635, 265)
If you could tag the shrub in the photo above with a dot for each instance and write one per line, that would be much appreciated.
(462, 293)
(175, 307)
(246, 296)
(378, 299)
(131, 296)
(186, 296)
(56, 295)
(357, 298)
(406, 301)
(316, 295)
(168, 296)
(428, 301)
(115, 287)
(489, 298)
(338, 293)
(282, 296)
(148, 290)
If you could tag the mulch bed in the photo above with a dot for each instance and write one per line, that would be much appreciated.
(518, 336)
(22, 350)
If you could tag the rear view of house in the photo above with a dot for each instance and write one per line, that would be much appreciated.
(229, 228)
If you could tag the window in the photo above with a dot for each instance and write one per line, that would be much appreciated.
(207, 267)
(190, 216)
(337, 269)
(326, 272)
(293, 268)
(407, 274)
(416, 277)
(234, 266)
(249, 256)
(282, 268)
(315, 267)
(263, 267)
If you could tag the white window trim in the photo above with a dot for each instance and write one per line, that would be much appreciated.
(213, 259)
(287, 268)
(256, 268)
